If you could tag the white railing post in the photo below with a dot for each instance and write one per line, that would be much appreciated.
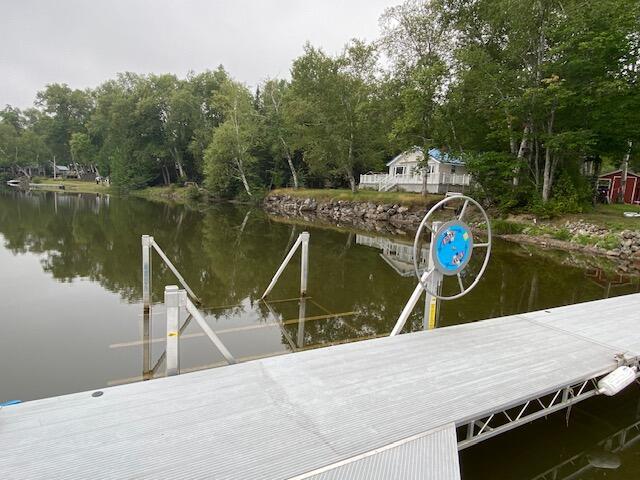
(304, 263)
(147, 241)
(174, 300)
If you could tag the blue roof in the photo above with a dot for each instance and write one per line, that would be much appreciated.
(437, 155)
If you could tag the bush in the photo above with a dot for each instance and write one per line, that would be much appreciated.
(609, 242)
(504, 227)
(585, 239)
(562, 234)
(194, 194)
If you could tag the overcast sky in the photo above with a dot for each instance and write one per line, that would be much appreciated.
(84, 42)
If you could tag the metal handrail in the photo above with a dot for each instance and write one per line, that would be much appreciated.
(303, 240)
(174, 300)
(148, 242)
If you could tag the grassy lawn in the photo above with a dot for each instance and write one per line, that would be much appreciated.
(162, 193)
(610, 216)
(325, 195)
(72, 185)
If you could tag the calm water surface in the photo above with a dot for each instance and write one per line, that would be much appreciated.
(71, 313)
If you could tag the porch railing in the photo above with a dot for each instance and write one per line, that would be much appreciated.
(377, 179)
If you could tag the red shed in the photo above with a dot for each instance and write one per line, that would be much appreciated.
(611, 181)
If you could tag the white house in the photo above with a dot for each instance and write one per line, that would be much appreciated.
(443, 173)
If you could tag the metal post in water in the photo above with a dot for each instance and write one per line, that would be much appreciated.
(417, 293)
(282, 267)
(146, 305)
(304, 263)
(174, 299)
(302, 313)
(435, 285)
(147, 242)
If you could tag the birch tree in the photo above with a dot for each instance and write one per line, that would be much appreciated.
(229, 157)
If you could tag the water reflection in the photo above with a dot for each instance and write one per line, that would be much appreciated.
(88, 246)
(73, 319)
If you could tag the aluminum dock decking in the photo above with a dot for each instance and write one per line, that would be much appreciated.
(355, 411)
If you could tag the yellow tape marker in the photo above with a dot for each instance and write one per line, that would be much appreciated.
(172, 334)
(432, 313)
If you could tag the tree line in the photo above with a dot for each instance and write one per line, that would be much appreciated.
(527, 91)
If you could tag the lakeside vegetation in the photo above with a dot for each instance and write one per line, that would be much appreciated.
(74, 186)
(364, 196)
(526, 92)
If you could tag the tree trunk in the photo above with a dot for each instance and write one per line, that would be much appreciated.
(536, 166)
(177, 157)
(349, 168)
(243, 177)
(512, 140)
(546, 176)
(624, 175)
(520, 156)
(287, 154)
(352, 182)
(549, 164)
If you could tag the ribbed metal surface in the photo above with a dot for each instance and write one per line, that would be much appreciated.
(431, 456)
(284, 416)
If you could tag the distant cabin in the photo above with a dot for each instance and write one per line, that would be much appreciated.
(443, 173)
(61, 171)
(610, 184)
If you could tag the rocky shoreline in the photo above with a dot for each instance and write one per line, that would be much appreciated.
(387, 218)
(622, 247)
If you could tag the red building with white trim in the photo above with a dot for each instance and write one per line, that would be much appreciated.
(611, 181)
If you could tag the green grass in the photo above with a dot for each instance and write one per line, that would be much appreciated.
(171, 193)
(72, 185)
(505, 227)
(326, 195)
(610, 216)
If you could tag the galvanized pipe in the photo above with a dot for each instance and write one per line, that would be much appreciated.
(282, 266)
(147, 241)
(304, 263)
(173, 269)
(174, 300)
(192, 309)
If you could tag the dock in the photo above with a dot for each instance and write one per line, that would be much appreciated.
(393, 407)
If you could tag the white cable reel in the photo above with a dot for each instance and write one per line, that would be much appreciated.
(452, 247)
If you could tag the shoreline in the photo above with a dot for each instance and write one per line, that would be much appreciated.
(401, 218)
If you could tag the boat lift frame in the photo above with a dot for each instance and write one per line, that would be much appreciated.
(175, 300)
(475, 430)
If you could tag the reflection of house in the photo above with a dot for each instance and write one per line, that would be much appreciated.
(443, 173)
(398, 255)
(611, 184)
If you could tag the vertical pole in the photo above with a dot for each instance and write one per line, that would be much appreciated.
(147, 240)
(435, 284)
(174, 299)
(302, 313)
(304, 263)
(146, 305)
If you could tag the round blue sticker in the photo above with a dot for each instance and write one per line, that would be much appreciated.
(453, 247)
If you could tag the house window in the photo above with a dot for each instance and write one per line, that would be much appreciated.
(399, 170)
(453, 169)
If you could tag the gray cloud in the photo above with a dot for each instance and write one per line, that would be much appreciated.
(83, 43)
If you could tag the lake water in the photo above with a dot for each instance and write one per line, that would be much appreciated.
(72, 318)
